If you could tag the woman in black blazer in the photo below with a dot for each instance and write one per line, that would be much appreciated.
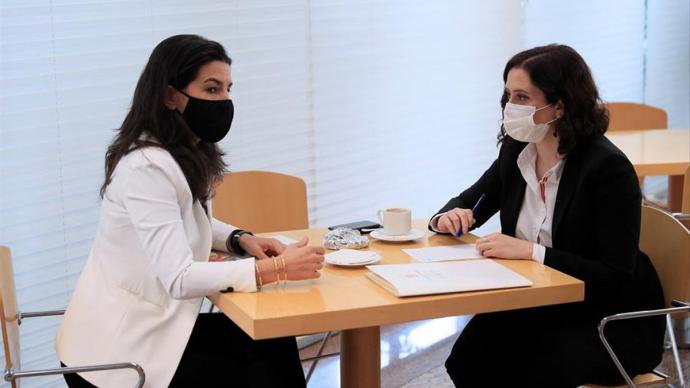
(570, 199)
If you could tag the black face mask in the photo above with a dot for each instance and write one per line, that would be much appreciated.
(210, 120)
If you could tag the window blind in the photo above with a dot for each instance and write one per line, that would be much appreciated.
(373, 103)
(667, 70)
(67, 74)
(406, 101)
(609, 35)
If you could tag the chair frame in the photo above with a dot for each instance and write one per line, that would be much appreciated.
(319, 355)
(671, 263)
(11, 375)
(679, 307)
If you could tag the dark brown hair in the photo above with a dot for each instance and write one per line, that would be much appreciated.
(562, 74)
(174, 62)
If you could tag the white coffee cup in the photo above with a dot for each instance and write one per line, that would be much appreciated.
(395, 221)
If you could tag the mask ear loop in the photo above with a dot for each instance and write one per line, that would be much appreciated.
(543, 107)
(183, 93)
(179, 90)
(555, 132)
(549, 122)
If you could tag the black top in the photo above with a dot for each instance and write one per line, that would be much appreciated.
(596, 223)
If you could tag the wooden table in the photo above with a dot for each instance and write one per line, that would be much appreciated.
(344, 299)
(658, 152)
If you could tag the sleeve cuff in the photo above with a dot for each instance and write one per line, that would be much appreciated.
(538, 253)
(238, 274)
(433, 224)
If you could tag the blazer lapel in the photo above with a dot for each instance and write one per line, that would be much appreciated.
(513, 202)
(566, 189)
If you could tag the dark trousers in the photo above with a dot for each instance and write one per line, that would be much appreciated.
(546, 347)
(220, 354)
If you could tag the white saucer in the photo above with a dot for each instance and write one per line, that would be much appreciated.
(413, 235)
(360, 264)
(349, 258)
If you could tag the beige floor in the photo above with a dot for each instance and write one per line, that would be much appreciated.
(412, 356)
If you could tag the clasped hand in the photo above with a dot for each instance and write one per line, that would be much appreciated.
(496, 245)
(302, 261)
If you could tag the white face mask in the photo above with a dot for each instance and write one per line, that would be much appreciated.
(518, 121)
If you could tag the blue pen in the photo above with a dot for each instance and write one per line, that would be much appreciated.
(474, 210)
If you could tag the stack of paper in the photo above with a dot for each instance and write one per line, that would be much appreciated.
(444, 253)
(441, 278)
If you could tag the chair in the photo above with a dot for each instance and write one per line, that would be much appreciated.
(633, 116)
(685, 202)
(262, 202)
(684, 215)
(667, 242)
(630, 116)
(11, 318)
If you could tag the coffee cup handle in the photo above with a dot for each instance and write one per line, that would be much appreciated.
(380, 215)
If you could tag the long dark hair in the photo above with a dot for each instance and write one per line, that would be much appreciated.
(174, 62)
(562, 74)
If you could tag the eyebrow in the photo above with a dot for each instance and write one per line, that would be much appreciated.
(216, 80)
(516, 91)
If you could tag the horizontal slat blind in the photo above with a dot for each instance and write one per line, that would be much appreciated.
(405, 101)
(67, 73)
(608, 34)
(668, 59)
(373, 103)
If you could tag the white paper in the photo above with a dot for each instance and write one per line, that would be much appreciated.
(444, 253)
(440, 278)
(284, 239)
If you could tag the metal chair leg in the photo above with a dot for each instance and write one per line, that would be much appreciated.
(676, 357)
(318, 355)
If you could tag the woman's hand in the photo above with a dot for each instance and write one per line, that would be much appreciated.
(454, 220)
(500, 246)
(261, 247)
(301, 262)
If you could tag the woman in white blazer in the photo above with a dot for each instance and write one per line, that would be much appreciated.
(139, 295)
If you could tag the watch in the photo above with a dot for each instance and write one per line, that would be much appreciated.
(233, 242)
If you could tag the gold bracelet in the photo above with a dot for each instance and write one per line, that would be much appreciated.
(275, 269)
(258, 275)
(284, 269)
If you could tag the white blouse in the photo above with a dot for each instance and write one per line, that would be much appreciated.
(535, 219)
(536, 213)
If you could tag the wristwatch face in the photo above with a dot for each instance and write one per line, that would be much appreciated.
(242, 233)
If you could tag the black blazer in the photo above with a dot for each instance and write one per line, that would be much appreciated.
(596, 224)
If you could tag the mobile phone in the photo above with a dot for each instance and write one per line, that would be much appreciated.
(362, 226)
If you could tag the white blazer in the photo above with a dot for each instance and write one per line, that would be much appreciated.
(144, 281)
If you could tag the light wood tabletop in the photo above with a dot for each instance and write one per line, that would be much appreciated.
(655, 151)
(658, 152)
(345, 299)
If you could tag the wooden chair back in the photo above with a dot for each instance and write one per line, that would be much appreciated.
(685, 202)
(8, 313)
(647, 379)
(631, 115)
(667, 243)
(262, 201)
